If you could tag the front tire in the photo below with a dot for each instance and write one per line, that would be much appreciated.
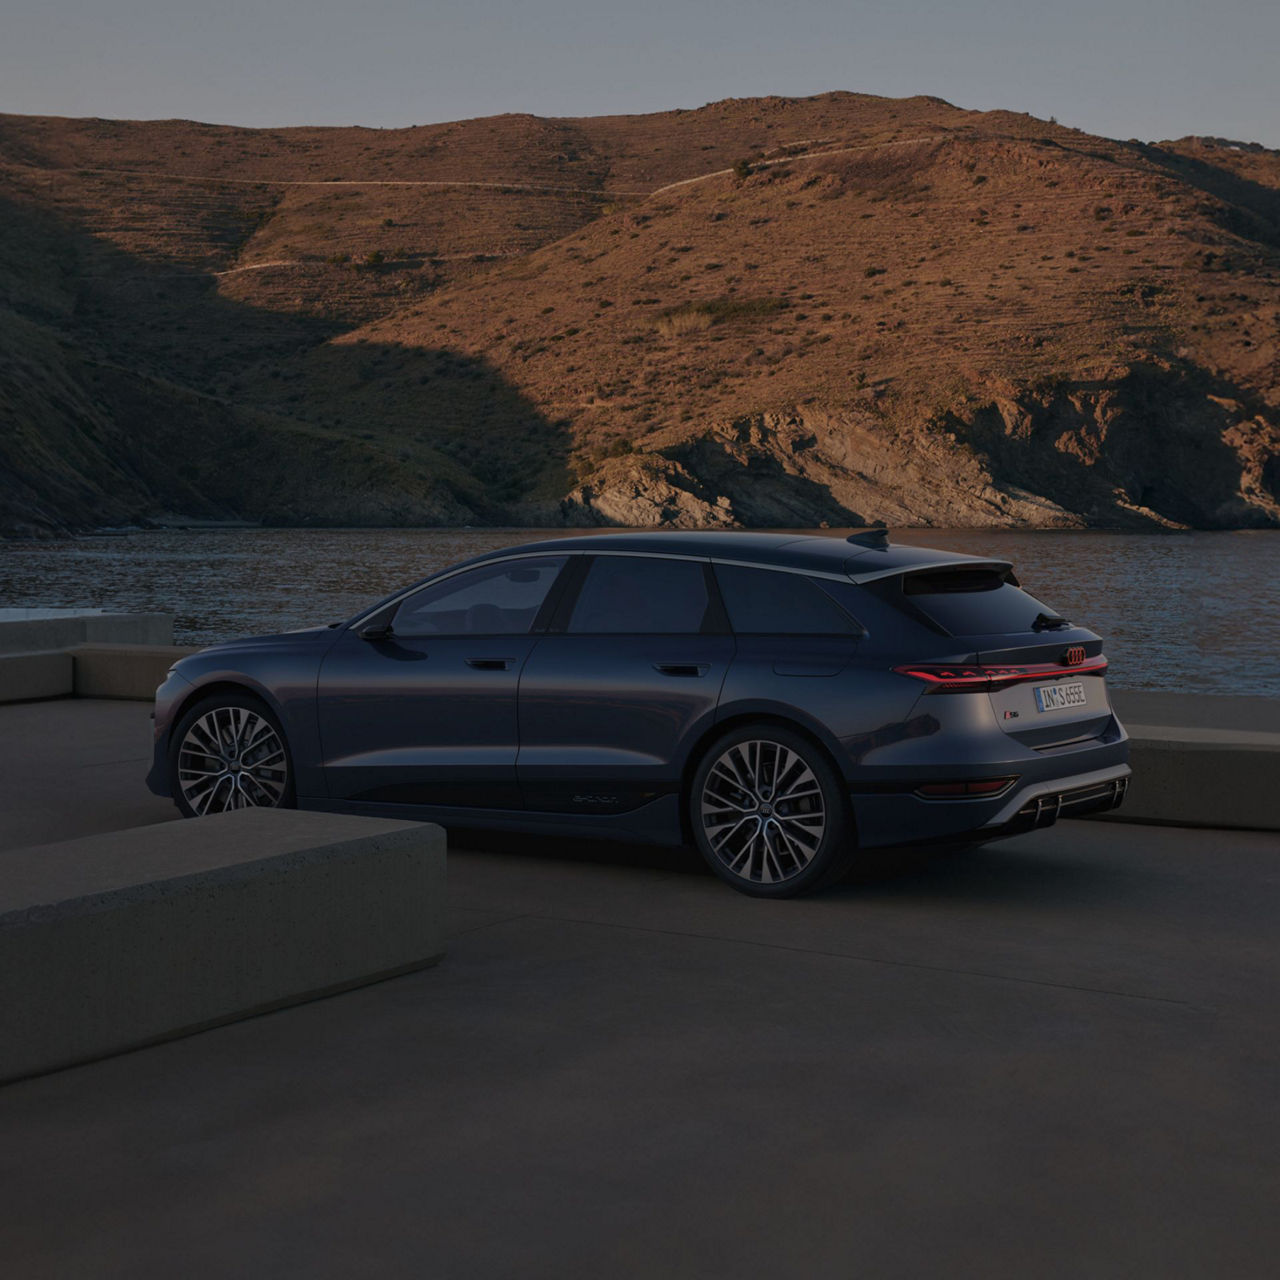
(229, 752)
(769, 813)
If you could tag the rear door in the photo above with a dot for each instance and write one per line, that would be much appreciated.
(629, 675)
(422, 709)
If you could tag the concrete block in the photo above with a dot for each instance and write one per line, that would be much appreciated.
(123, 670)
(129, 628)
(27, 676)
(115, 941)
(1203, 777)
(26, 630)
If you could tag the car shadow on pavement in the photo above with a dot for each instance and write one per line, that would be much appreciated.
(991, 873)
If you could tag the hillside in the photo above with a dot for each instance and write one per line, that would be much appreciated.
(894, 309)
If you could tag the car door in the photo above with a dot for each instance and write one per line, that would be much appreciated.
(418, 704)
(628, 675)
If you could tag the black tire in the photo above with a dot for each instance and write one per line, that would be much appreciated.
(228, 751)
(761, 843)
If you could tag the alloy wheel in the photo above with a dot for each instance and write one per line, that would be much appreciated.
(232, 758)
(762, 811)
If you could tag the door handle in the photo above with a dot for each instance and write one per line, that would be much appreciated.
(488, 664)
(682, 668)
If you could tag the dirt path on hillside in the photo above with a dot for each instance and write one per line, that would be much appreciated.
(490, 186)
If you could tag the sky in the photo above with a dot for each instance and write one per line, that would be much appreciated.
(1149, 69)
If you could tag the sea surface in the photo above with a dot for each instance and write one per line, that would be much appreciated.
(1198, 612)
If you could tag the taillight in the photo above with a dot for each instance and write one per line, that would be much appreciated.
(946, 678)
(979, 787)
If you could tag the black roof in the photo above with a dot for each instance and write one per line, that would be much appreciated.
(812, 552)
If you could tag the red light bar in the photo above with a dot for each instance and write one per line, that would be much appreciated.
(942, 678)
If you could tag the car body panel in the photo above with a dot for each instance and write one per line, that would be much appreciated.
(605, 720)
(421, 719)
(281, 670)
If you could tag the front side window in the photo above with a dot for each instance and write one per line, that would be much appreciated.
(493, 600)
(767, 602)
(639, 596)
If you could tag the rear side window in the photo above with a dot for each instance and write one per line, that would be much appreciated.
(639, 596)
(767, 602)
(973, 602)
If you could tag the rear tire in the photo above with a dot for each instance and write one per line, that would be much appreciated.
(227, 752)
(769, 813)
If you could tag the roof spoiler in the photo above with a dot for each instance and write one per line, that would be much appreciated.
(927, 560)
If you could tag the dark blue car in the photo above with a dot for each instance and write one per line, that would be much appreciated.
(779, 701)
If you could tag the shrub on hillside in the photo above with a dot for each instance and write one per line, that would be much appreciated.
(683, 320)
(693, 316)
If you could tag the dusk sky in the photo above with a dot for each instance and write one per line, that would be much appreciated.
(1126, 68)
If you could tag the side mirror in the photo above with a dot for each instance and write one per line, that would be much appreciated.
(376, 631)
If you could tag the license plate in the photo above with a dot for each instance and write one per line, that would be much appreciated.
(1058, 697)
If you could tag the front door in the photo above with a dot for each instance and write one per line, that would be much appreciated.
(610, 703)
(422, 708)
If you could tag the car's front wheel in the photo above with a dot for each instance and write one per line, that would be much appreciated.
(769, 813)
(229, 752)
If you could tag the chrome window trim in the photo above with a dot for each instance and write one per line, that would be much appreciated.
(782, 568)
(545, 553)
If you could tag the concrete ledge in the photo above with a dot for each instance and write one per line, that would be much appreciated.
(25, 630)
(120, 940)
(27, 676)
(1203, 777)
(132, 671)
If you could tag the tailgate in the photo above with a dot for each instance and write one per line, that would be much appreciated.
(1062, 707)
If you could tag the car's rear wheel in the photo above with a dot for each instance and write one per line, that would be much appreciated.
(229, 752)
(769, 813)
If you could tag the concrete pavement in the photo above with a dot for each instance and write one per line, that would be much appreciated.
(1053, 1057)
(74, 767)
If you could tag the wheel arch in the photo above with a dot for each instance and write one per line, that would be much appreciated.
(739, 719)
(200, 692)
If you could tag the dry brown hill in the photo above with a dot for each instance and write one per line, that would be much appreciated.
(894, 309)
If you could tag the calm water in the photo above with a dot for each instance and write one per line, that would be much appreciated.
(1195, 611)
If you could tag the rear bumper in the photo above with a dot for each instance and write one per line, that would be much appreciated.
(893, 814)
(1043, 806)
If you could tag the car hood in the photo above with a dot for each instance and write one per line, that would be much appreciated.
(301, 638)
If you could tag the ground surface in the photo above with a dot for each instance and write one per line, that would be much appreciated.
(1053, 1057)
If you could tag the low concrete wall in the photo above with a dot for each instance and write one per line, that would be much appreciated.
(25, 677)
(123, 670)
(1203, 777)
(26, 630)
(115, 941)
(1197, 710)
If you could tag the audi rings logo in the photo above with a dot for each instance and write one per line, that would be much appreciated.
(1073, 656)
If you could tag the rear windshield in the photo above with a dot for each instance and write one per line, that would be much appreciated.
(974, 602)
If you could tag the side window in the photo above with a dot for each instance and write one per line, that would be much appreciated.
(765, 601)
(639, 596)
(493, 600)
